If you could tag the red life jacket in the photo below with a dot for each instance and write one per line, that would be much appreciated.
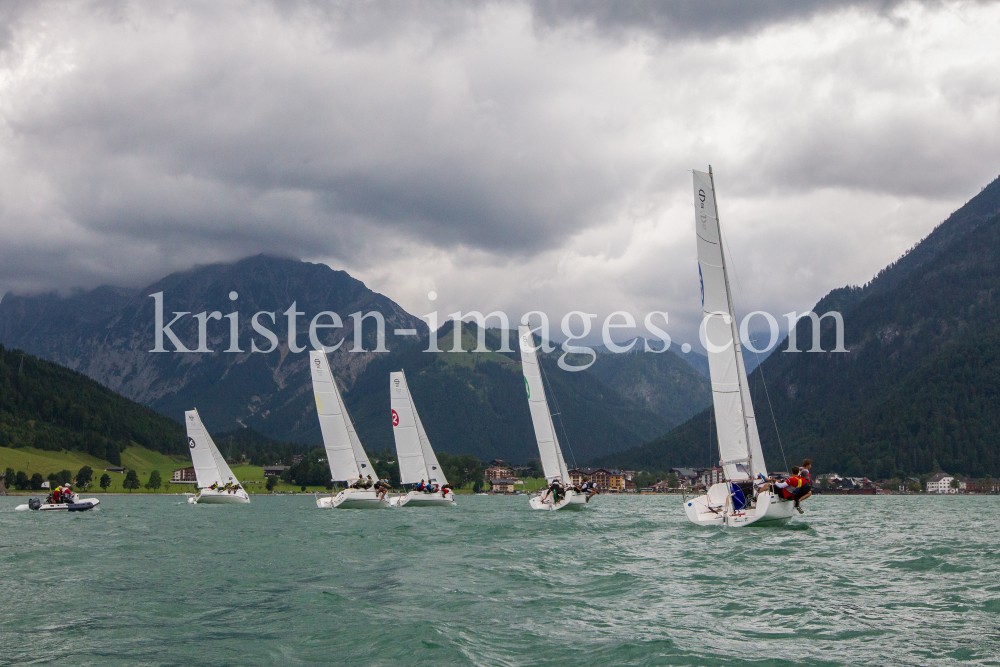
(794, 482)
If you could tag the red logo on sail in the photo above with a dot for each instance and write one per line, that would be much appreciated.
(395, 418)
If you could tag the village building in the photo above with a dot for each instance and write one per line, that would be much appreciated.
(941, 483)
(503, 484)
(710, 476)
(499, 472)
(609, 480)
(272, 471)
(184, 476)
(117, 469)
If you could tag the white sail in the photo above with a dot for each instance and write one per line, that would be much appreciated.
(344, 453)
(739, 442)
(209, 466)
(553, 462)
(434, 472)
(413, 449)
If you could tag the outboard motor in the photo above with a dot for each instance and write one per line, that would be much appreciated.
(34, 503)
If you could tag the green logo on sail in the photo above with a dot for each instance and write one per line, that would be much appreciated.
(527, 387)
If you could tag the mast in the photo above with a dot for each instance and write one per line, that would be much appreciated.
(737, 348)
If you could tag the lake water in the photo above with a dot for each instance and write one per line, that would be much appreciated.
(150, 580)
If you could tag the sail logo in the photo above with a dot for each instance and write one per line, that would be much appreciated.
(191, 443)
(396, 382)
(319, 404)
(395, 418)
(527, 387)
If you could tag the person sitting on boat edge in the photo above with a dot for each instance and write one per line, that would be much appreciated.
(792, 488)
(445, 489)
(805, 472)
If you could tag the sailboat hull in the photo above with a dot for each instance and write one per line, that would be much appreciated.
(572, 501)
(353, 499)
(421, 499)
(716, 509)
(218, 497)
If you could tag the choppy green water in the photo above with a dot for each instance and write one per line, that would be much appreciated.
(154, 581)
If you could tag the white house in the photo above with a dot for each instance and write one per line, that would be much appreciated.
(940, 483)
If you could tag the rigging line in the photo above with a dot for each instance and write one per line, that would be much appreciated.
(760, 363)
(551, 392)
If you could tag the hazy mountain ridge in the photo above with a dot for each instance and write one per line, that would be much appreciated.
(917, 329)
(107, 334)
(471, 402)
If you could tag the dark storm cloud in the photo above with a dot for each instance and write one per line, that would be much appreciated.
(703, 19)
(468, 142)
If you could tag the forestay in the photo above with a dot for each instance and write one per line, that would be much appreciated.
(553, 462)
(739, 442)
(417, 461)
(344, 452)
(209, 466)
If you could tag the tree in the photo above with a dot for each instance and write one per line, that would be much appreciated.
(155, 481)
(131, 481)
(672, 481)
(955, 483)
(271, 481)
(22, 480)
(105, 481)
(10, 476)
(36, 481)
(85, 477)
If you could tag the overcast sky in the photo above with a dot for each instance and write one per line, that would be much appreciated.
(508, 155)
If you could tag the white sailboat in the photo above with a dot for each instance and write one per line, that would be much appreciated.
(742, 499)
(417, 462)
(216, 482)
(553, 462)
(347, 458)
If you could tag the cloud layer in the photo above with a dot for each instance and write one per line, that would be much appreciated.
(507, 155)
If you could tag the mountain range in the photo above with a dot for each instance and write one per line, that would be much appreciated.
(918, 389)
(470, 403)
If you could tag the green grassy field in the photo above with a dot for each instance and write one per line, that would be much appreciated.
(144, 462)
(140, 459)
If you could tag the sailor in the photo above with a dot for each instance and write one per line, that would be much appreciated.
(67, 494)
(420, 486)
(591, 489)
(805, 472)
(57, 495)
(445, 489)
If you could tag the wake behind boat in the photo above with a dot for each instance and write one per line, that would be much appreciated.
(744, 497)
(344, 453)
(217, 485)
(418, 464)
(560, 494)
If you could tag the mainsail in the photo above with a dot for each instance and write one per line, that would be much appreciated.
(553, 463)
(413, 449)
(344, 453)
(209, 466)
(739, 442)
